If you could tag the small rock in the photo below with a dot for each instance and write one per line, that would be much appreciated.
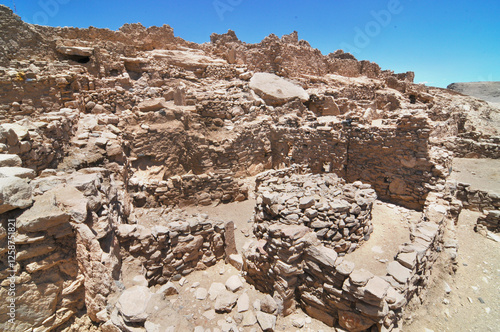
(234, 283)
(447, 288)
(132, 304)
(215, 290)
(267, 322)
(243, 303)
(199, 329)
(210, 314)
(268, 305)
(168, 289)
(299, 322)
(249, 319)
(183, 281)
(225, 302)
(201, 293)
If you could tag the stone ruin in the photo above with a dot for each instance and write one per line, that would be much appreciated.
(106, 137)
(339, 213)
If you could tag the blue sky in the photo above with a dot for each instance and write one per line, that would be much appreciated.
(442, 41)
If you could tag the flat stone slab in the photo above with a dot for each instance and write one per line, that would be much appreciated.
(20, 172)
(276, 90)
(133, 303)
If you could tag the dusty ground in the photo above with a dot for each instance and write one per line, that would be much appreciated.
(481, 174)
(390, 230)
(474, 301)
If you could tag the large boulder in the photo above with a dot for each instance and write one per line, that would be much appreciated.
(276, 90)
(14, 193)
(10, 160)
(133, 303)
(55, 207)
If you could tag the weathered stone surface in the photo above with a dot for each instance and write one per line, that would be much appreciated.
(225, 302)
(243, 303)
(276, 90)
(168, 289)
(234, 283)
(14, 193)
(10, 160)
(132, 304)
(399, 272)
(354, 322)
(152, 105)
(75, 50)
(267, 322)
(20, 172)
(215, 290)
(55, 207)
(268, 304)
(201, 293)
(324, 255)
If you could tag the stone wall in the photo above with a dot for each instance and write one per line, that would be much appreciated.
(290, 263)
(67, 255)
(477, 200)
(175, 246)
(474, 145)
(41, 144)
(490, 220)
(396, 160)
(339, 213)
(189, 189)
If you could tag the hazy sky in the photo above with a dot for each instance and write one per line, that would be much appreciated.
(443, 41)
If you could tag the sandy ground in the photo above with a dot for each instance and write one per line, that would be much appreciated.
(473, 303)
(390, 230)
(481, 174)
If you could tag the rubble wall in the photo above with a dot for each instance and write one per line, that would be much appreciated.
(339, 213)
(174, 248)
(290, 263)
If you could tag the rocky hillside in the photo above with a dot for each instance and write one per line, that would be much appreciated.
(105, 136)
(489, 91)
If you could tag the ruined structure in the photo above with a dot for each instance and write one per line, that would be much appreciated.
(106, 135)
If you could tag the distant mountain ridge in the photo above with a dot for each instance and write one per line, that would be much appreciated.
(488, 91)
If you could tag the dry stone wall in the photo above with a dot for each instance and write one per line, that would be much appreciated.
(175, 246)
(66, 252)
(339, 213)
(189, 189)
(290, 263)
